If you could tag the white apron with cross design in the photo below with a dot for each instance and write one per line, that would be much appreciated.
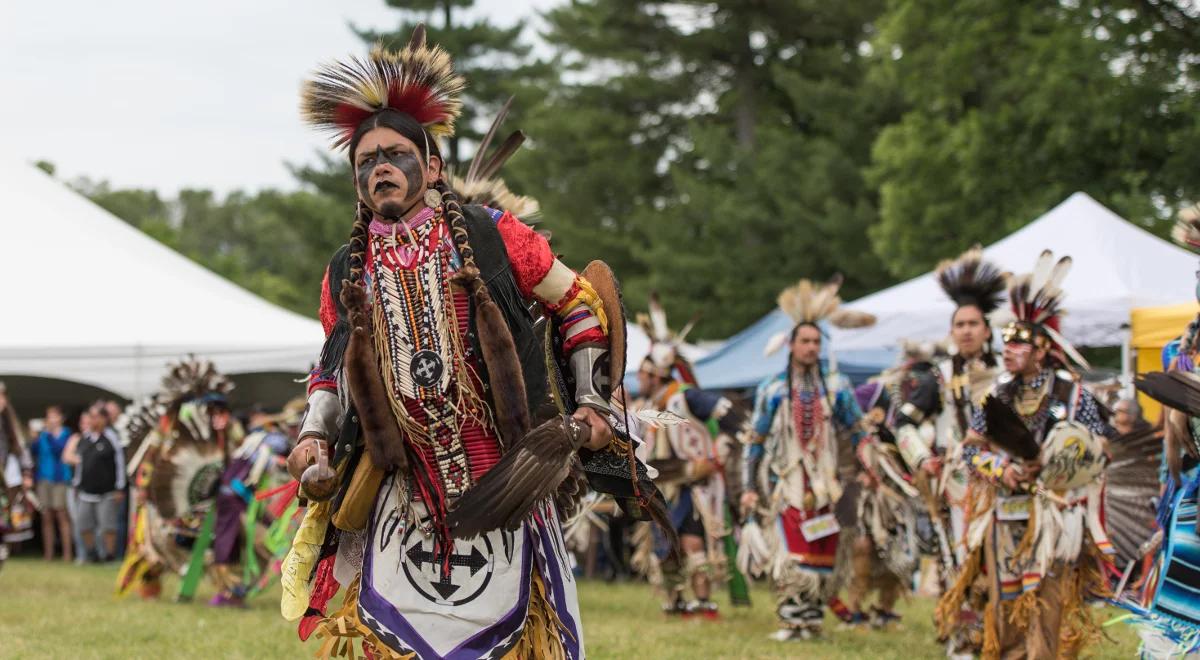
(477, 608)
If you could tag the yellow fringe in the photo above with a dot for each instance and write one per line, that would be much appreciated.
(342, 629)
(540, 639)
(951, 602)
(588, 296)
(1027, 606)
(1078, 628)
(991, 631)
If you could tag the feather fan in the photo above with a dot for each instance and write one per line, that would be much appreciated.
(1131, 490)
(1006, 430)
(528, 472)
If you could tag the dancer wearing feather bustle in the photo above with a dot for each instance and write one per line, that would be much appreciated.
(790, 466)
(688, 433)
(187, 452)
(1036, 449)
(448, 428)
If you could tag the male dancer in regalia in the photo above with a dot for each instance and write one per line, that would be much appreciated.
(976, 287)
(790, 468)
(431, 499)
(897, 460)
(687, 434)
(1036, 448)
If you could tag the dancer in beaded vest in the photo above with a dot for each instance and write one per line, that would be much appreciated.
(464, 376)
(1036, 448)
(688, 435)
(790, 466)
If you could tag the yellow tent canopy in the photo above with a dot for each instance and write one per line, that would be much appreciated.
(1152, 328)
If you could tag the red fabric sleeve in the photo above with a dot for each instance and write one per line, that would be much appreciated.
(327, 311)
(528, 251)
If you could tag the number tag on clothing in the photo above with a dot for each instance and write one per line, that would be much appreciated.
(819, 527)
(1013, 508)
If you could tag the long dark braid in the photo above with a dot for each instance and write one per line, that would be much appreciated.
(452, 209)
(358, 243)
(506, 380)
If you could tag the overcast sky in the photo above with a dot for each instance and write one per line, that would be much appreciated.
(165, 94)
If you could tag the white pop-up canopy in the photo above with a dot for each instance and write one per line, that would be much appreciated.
(90, 299)
(1117, 267)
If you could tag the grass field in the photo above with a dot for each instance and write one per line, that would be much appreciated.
(59, 611)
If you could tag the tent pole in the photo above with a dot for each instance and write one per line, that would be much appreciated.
(1126, 361)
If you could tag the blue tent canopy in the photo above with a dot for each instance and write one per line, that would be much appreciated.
(739, 363)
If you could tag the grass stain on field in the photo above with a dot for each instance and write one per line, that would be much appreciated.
(55, 610)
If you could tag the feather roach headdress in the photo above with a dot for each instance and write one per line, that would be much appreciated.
(664, 356)
(1187, 228)
(808, 303)
(482, 184)
(969, 280)
(419, 81)
(1036, 304)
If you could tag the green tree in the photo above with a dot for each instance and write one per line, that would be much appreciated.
(710, 151)
(494, 60)
(1011, 108)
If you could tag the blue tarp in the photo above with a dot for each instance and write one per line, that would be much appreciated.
(739, 363)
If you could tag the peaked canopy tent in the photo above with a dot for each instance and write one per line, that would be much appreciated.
(92, 300)
(740, 363)
(1117, 267)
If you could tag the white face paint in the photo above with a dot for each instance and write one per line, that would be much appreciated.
(1017, 357)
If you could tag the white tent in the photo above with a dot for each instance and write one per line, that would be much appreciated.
(90, 299)
(1117, 267)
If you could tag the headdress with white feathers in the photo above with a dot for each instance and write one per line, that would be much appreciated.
(808, 303)
(1035, 300)
(664, 353)
(1187, 228)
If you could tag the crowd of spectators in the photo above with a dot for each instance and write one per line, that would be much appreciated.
(69, 478)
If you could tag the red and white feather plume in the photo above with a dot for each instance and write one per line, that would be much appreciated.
(419, 80)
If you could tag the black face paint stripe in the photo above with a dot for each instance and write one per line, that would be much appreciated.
(406, 162)
(408, 165)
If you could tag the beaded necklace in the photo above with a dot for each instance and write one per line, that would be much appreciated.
(808, 413)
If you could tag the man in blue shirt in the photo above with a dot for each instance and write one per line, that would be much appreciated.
(53, 481)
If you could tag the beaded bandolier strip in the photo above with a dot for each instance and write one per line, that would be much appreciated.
(808, 413)
(423, 355)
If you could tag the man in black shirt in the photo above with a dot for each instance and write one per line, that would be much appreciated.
(99, 462)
